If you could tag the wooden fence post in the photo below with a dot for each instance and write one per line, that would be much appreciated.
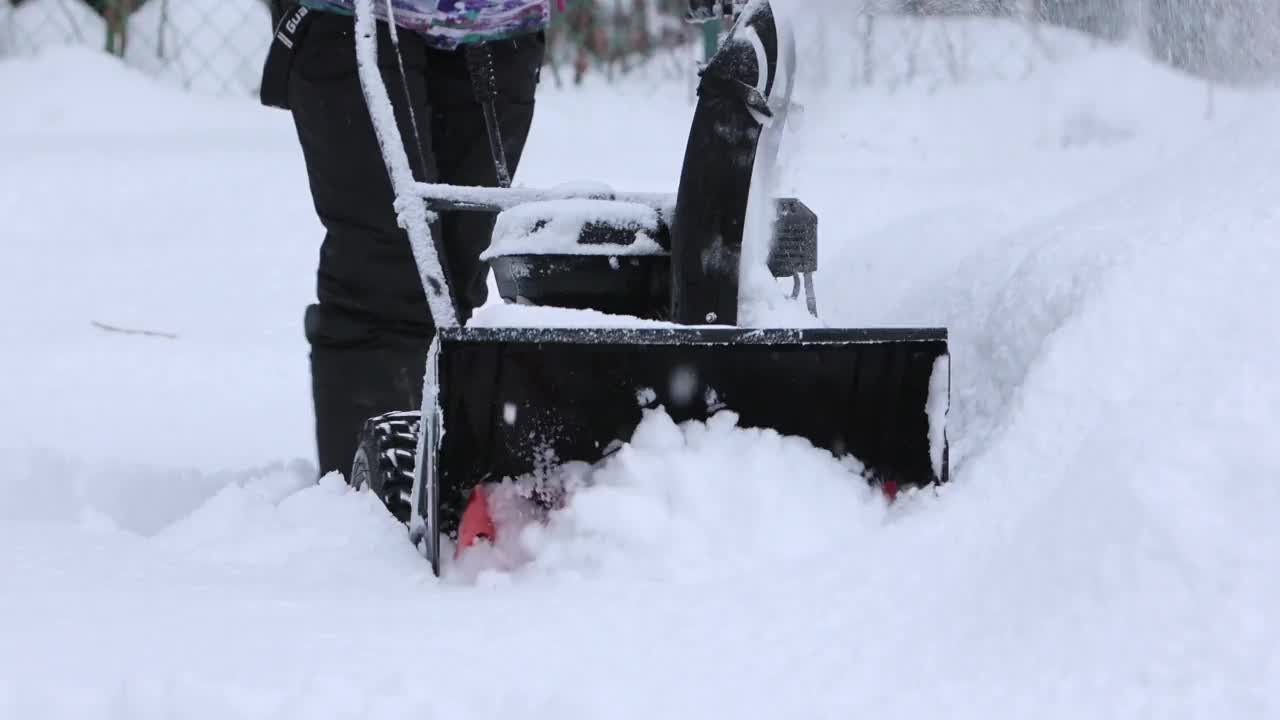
(116, 13)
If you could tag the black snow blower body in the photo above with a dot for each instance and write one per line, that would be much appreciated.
(507, 402)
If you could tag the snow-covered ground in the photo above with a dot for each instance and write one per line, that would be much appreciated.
(1104, 255)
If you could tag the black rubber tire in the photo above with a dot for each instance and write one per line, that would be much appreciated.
(385, 460)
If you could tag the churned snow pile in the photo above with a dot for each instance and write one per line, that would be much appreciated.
(684, 503)
(1106, 268)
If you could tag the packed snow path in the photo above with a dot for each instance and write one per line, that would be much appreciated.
(1107, 548)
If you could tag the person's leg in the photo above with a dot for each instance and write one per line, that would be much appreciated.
(371, 327)
(461, 142)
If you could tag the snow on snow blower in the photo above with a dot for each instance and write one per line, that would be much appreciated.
(517, 402)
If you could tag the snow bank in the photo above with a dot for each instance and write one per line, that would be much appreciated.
(56, 488)
(1112, 393)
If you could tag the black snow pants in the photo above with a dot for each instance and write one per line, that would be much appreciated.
(370, 328)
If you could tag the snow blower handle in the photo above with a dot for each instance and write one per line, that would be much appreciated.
(484, 84)
(411, 211)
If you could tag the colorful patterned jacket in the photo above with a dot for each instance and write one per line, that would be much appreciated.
(446, 24)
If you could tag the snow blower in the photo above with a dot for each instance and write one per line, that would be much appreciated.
(516, 402)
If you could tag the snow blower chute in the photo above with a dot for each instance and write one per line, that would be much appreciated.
(516, 402)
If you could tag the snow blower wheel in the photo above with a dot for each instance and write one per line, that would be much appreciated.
(385, 459)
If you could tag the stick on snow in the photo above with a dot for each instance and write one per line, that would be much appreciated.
(133, 331)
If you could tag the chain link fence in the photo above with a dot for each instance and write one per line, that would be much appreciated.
(208, 46)
(218, 46)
